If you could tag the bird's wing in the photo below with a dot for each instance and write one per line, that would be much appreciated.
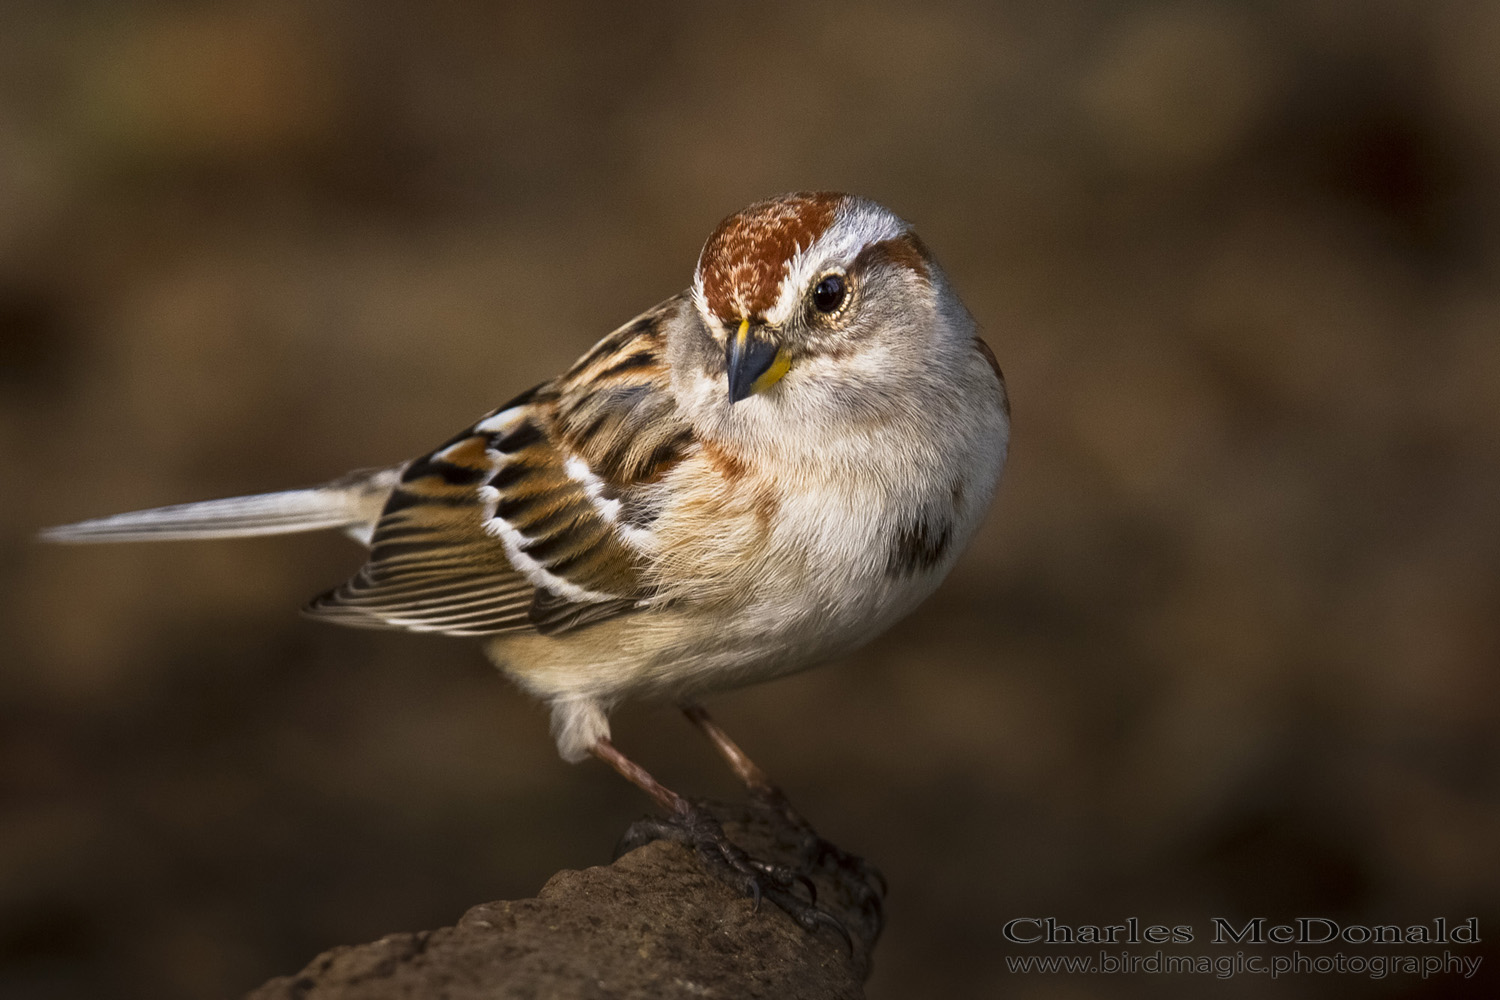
(537, 516)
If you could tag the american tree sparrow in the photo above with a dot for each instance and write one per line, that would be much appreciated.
(759, 473)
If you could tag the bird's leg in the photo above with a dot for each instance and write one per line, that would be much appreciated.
(744, 768)
(640, 777)
(815, 849)
(691, 824)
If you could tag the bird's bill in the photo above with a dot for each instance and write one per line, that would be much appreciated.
(755, 362)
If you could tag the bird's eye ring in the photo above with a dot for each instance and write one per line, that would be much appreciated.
(829, 293)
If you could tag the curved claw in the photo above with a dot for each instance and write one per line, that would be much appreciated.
(863, 881)
(812, 917)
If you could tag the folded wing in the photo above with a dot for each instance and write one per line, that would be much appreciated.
(537, 517)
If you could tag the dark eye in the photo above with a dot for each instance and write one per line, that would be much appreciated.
(828, 294)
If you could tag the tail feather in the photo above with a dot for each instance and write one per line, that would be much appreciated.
(352, 503)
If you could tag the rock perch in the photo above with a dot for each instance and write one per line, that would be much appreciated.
(655, 924)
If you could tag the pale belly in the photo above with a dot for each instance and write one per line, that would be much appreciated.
(752, 597)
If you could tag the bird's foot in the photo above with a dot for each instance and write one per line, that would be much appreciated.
(695, 827)
(864, 881)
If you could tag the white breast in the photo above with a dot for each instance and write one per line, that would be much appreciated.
(791, 567)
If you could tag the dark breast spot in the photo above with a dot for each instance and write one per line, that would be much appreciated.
(918, 546)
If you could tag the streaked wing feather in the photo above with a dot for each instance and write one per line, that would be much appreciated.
(551, 615)
(516, 523)
(460, 606)
(432, 566)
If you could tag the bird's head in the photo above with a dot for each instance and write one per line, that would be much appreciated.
(820, 286)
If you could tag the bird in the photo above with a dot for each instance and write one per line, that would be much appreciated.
(760, 473)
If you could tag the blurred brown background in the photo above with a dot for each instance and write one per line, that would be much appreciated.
(1226, 645)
